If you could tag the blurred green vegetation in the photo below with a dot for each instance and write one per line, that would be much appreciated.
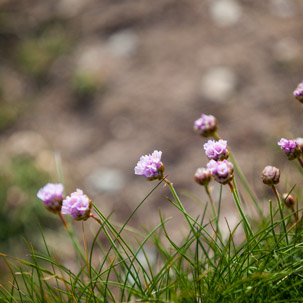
(35, 53)
(20, 179)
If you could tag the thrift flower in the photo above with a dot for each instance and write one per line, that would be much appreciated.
(270, 175)
(150, 166)
(203, 176)
(222, 171)
(298, 92)
(291, 148)
(77, 205)
(216, 150)
(52, 196)
(206, 125)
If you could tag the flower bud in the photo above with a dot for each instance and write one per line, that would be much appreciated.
(300, 143)
(77, 205)
(203, 176)
(206, 125)
(298, 92)
(222, 171)
(270, 175)
(52, 196)
(291, 148)
(216, 150)
(289, 200)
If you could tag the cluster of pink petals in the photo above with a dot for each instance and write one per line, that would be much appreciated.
(222, 171)
(52, 195)
(77, 205)
(298, 92)
(206, 125)
(150, 166)
(291, 148)
(216, 150)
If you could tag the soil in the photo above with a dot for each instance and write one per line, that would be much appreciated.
(128, 77)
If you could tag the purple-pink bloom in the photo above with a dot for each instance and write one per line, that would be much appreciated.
(216, 150)
(150, 166)
(291, 148)
(206, 125)
(78, 205)
(52, 195)
(298, 92)
(222, 171)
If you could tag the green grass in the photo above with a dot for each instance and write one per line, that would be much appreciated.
(204, 267)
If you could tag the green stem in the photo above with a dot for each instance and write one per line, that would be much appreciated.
(243, 179)
(300, 161)
(247, 227)
(281, 211)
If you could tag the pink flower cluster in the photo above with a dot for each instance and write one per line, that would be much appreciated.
(222, 171)
(150, 166)
(77, 205)
(291, 148)
(206, 125)
(52, 196)
(298, 92)
(216, 150)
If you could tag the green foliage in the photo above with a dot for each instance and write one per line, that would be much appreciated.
(19, 181)
(35, 53)
(204, 267)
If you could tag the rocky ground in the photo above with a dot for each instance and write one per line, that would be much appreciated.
(100, 83)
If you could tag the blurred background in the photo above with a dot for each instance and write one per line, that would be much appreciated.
(96, 84)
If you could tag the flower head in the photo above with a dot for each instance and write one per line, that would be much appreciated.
(203, 176)
(216, 150)
(52, 196)
(77, 205)
(270, 175)
(150, 166)
(222, 171)
(291, 148)
(206, 125)
(298, 92)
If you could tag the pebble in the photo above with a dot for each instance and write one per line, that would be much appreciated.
(105, 180)
(123, 43)
(218, 84)
(225, 12)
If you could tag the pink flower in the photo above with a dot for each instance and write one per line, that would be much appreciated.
(150, 166)
(291, 148)
(77, 205)
(298, 92)
(222, 171)
(216, 150)
(52, 195)
(206, 125)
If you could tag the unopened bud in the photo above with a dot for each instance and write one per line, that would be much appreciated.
(202, 176)
(298, 92)
(289, 200)
(270, 175)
